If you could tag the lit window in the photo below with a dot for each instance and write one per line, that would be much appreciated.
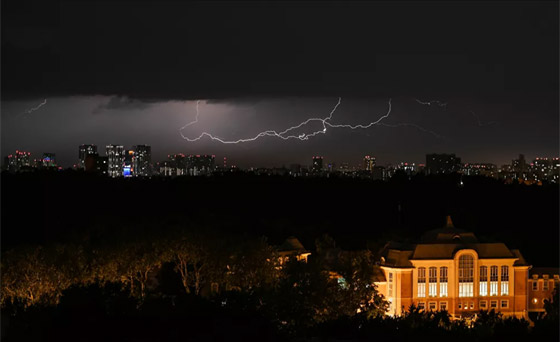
(483, 304)
(421, 306)
(421, 282)
(545, 283)
(433, 282)
(471, 305)
(432, 306)
(504, 281)
(493, 280)
(483, 290)
(493, 304)
(466, 276)
(504, 304)
(442, 306)
(443, 281)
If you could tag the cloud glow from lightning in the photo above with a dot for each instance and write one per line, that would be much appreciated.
(285, 134)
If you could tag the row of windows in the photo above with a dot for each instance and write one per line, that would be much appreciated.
(466, 272)
(466, 280)
(483, 305)
(432, 274)
(545, 285)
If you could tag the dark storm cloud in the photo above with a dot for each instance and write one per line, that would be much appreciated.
(191, 50)
(122, 103)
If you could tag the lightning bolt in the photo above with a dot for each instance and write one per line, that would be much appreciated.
(285, 134)
(436, 102)
(31, 110)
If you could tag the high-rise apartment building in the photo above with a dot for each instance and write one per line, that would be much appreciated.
(115, 160)
(83, 152)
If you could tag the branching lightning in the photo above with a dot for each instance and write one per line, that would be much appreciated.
(286, 135)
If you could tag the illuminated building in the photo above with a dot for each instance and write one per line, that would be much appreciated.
(115, 159)
(451, 270)
(295, 170)
(541, 284)
(85, 150)
(143, 161)
(480, 169)
(408, 168)
(175, 166)
(442, 163)
(47, 161)
(200, 164)
(317, 165)
(18, 161)
(369, 163)
(292, 249)
(129, 161)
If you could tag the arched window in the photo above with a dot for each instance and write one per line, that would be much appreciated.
(466, 275)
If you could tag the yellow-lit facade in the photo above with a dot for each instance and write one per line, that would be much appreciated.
(452, 271)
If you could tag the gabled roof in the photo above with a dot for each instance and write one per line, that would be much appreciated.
(292, 244)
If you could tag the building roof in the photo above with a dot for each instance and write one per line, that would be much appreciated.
(443, 243)
(292, 244)
(448, 234)
(396, 258)
(448, 250)
(521, 261)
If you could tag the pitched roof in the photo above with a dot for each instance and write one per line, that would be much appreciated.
(521, 261)
(292, 244)
(396, 258)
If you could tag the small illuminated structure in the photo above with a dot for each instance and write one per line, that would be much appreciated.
(290, 249)
(541, 284)
(451, 270)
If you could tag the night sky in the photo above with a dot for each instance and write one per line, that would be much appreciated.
(130, 73)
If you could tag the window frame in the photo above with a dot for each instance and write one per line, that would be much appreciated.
(441, 304)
